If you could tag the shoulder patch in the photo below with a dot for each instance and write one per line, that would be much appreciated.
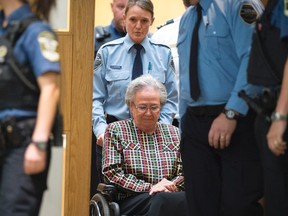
(248, 13)
(48, 46)
(98, 60)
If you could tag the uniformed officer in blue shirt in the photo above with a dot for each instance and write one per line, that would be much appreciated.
(112, 74)
(220, 157)
(113, 69)
(27, 106)
(273, 135)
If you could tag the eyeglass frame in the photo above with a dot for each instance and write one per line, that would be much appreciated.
(158, 108)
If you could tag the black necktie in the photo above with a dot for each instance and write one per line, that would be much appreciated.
(194, 82)
(137, 66)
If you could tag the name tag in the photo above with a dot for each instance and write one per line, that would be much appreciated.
(117, 67)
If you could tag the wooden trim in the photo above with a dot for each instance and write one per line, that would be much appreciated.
(76, 49)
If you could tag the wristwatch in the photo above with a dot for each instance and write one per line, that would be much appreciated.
(41, 145)
(230, 114)
(276, 116)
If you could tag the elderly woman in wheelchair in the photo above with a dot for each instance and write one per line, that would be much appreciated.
(141, 156)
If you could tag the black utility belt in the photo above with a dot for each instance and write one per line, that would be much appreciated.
(209, 110)
(14, 131)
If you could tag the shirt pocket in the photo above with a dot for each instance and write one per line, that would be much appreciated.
(181, 38)
(133, 161)
(216, 40)
(160, 75)
(117, 82)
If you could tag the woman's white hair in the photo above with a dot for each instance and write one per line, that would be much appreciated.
(142, 82)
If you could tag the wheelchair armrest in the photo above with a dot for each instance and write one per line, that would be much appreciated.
(107, 189)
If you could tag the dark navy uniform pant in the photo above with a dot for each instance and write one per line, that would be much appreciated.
(275, 173)
(20, 194)
(164, 203)
(221, 182)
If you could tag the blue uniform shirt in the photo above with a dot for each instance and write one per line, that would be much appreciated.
(113, 72)
(36, 46)
(225, 35)
(279, 19)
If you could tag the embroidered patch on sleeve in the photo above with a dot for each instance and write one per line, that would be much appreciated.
(98, 60)
(48, 45)
(248, 13)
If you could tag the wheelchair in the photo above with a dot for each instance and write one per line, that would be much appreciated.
(102, 204)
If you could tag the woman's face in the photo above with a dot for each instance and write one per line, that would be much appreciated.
(146, 109)
(137, 23)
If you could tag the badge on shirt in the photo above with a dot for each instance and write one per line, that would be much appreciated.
(48, 45)
(248, 13)
(98, 60)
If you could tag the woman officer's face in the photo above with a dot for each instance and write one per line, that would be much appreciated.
(137, 23)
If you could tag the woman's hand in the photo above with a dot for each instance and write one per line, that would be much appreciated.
(163, 186)
(34, 160)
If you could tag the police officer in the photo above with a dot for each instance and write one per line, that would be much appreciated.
(113, 69)
(168, 34)
(104, 34)
(26, 110)
(220, 157)
(271, 123)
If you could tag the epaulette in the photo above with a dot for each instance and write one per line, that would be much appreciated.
(114, 42)
(159, 43)
(166, 23)
(101, 33)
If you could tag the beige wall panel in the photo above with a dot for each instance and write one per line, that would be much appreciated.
(164, 10)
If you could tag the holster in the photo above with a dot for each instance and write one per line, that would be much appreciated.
(264, 104)
(14, 132)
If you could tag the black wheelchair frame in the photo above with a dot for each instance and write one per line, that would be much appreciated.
(102, 204)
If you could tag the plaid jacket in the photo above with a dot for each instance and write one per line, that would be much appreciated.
(134, 160)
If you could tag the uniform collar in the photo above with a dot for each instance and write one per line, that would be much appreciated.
(129, 43)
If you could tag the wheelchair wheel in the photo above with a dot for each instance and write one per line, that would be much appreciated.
(115, 210)
(99, 206)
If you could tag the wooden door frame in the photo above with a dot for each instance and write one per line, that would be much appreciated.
(77, 50)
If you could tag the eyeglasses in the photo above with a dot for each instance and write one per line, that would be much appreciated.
(143, 108)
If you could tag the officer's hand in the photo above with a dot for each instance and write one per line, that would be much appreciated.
(34, 160)
(100, 140)
(221, 132)
(275, 137)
